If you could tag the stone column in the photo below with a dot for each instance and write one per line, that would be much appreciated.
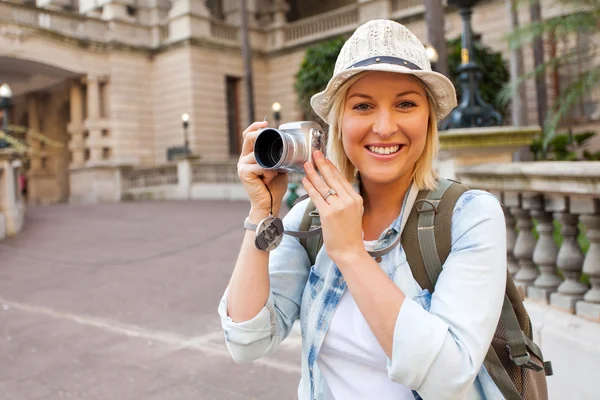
(569, 261)
(8, 192)
(511, 238)
(232, 9)
(525, 243)
(590, 307)
(91, 123)
(75, 126)
(33, 122)
(188, 18)
(374, 9)
(279, 23)
(544, 256)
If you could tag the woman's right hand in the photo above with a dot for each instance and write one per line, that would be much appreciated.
(254, 177)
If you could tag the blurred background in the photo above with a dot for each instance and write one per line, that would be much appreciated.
(121, 126)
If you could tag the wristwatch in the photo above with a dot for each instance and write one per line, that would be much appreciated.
(249, 226)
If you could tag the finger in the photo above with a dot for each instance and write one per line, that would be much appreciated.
(249, 158)
(341, 178)
(318, 183)
(252, 171)
(254, 127)
(314, 194)
(250, 135)
(331, 180)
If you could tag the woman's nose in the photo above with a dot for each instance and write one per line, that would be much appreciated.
(384, 124)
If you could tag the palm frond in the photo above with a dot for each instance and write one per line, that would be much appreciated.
(15, 143)
(560, 27)
(510, 89)
(35, 134)
(574, 92)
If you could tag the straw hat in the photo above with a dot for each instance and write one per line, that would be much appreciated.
(384, 45)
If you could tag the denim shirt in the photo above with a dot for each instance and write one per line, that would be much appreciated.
(439, 340)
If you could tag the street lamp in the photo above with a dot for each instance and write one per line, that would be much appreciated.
(432, 54)
(5, 96)
(276, 107)
(472, 110)
(185, 120)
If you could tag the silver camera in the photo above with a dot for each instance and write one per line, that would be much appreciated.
(290, 146)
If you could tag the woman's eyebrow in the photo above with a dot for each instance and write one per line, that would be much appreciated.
(366, 96)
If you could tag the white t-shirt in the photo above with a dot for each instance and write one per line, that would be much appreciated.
(353, 363)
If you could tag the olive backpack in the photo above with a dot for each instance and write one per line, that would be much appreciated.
(514, 361)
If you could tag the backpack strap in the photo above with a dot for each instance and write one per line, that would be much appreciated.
(311, 220)
(428, 228)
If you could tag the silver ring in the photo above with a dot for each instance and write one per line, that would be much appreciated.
(329, 193)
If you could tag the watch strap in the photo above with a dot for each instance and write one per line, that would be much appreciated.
(249, 226)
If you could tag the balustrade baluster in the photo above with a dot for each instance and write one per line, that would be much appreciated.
(590, 307)
(511, 238)
(569, 261)
(544, 256)
(525, 243)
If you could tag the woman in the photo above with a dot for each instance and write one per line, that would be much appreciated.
(369, 331)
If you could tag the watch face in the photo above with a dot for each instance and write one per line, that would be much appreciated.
(269, 233)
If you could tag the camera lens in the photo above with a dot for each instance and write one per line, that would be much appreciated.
(268, 148)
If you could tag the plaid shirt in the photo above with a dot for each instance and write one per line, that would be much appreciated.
(439, 341)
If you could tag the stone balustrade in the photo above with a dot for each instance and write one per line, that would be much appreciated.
(12, 206)
(76, 26)
(548, 195)
(333, 22)
(189, 19)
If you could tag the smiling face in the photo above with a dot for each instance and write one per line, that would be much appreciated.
(384, 126)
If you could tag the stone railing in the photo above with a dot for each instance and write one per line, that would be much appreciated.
(218, 172)
(12, 206)
(333, 22)
(405, 8)
(223, 31)
(149, 177)
(547, 195)
(74, 25)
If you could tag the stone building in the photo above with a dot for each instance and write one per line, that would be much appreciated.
(110, 79)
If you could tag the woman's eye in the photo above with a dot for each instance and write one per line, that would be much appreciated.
(406, 104)
(361, 107)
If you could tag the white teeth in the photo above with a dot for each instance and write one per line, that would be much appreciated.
(384, 150)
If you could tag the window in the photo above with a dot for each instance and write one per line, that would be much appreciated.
(233, 115)
(584, 56)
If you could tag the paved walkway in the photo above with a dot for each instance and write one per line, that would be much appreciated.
(118, 302)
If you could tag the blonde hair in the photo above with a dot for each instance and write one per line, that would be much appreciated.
(424, 175)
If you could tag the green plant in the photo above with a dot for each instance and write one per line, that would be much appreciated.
(16, 137)
(564, 147)
(583, 19)
(494, 68)
(315, 71)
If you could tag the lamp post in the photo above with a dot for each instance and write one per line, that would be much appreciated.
(5, 104)
(276, 108)
(472, 110)
(185, 121)
(433, 55)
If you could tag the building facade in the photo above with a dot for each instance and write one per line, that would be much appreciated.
(109, 79)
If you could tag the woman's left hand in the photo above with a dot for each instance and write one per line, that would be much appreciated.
(340, 213)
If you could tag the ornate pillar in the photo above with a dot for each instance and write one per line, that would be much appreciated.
(75, 126)
(590, 307)
(279, 22)
(232, 10)
(33, 122)
(93, 115)
(526, 242)
(544, 256)
(511, 238)
(569, 261)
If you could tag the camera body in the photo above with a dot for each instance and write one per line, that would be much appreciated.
(287, 149)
